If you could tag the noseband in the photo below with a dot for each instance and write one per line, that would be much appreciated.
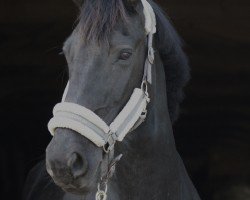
(87, 123)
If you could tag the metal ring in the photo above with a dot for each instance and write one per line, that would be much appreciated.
(110, 146)
(101, 195)
(107, 149)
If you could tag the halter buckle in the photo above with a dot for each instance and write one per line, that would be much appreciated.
(151, 55)
(110, 143)
(144, 87)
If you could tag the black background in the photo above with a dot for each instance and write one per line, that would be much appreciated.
(212, 134)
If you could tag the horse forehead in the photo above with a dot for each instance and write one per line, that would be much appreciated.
(75, 45)
(129, 32)
(126, 40)
(132, 25)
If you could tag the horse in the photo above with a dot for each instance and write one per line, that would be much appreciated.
(107, 54)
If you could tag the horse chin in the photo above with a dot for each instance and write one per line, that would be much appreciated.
(81, 189)
(81, 186)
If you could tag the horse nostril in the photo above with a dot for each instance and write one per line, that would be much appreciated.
(77, 164)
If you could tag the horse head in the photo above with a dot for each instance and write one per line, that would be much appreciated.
(105, 54)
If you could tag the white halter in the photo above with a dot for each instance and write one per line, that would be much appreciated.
(87, 123)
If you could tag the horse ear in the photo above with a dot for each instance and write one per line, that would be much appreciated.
(78, 3)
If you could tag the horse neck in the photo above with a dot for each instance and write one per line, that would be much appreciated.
(149, 152)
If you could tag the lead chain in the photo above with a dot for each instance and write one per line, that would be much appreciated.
(101, 194)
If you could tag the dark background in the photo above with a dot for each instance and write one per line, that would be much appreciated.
(212, 134)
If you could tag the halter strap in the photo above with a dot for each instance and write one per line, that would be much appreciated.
(90, 125)
(150, 19)
(150, 28)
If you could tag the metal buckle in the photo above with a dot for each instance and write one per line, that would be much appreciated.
(110, 142)
(151, 55)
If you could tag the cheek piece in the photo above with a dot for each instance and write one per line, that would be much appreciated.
(87, 123)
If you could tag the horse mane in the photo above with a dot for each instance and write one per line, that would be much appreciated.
(98, 18)
(177, 70)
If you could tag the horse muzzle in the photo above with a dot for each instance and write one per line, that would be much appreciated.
(67, 163)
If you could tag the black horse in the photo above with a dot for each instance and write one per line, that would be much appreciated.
(105, 55)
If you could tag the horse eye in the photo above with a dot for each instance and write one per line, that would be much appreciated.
(125, 55)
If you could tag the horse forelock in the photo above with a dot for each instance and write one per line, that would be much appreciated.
(98, 18)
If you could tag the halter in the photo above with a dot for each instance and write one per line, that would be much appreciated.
(87, 123)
